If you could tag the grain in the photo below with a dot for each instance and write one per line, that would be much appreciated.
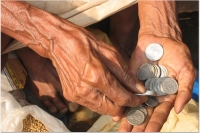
(30, 124)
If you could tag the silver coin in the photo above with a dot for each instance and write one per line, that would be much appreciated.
(157, 86)
(158, 71)
(164, 71)
(152, 101)
(145, 71)
(154, 85)
(151, 84)
(169, 86)
(135, 117)
(141, 108)
(148, 93)
(147, 82)
(154, 51)
(155, 72)
(152, 69)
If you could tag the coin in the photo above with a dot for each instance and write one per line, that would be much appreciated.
(153, 84)
(141, 108)
(145, 71)
(152, 101)
(154, 51)
(155, 71)
(164, 71)
(169, 86)
(151, 87)
(158, 71)
(135, 117)
(157, 86)
(147, 82)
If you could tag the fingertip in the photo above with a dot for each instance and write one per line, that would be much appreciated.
(178, 110)
(116, 118)
(182, 99)
(140, 87)
(73, 107)
(178, 107)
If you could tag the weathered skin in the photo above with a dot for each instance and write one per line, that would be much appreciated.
(91, 72)
(44, 82)
(158, 24)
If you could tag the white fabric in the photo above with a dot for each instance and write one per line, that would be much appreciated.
(80, 12)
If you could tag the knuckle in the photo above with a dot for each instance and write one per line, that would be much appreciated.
(92, 73)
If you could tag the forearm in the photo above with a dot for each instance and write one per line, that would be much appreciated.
(31, 26)
(159, 18)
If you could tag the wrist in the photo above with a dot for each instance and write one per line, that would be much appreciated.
(33, 27)
(158, 18)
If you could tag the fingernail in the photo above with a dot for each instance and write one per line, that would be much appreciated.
(140, 88)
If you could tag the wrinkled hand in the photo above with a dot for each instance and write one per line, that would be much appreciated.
(92, 73)
(177, 60)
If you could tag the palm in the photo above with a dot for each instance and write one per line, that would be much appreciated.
(177, 60)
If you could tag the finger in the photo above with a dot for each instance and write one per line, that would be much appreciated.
(99, 76)
(186, 80)
(60, 105)
(89, 96)
(73, 106)
(48, 103)
(166, 98)
(141, 128)
(116, 118)
(124, 125)
(114, 62)
(97, 101)
(137, 57)
(159, 117)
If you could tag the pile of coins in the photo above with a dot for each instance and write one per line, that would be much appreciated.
(147, 71)
(157, 83)
(156, 80)
(136, 115)
(30, 124)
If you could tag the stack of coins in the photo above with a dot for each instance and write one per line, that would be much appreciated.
(147, 71)
(136, 115)
(157, 83)
(156, 76)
